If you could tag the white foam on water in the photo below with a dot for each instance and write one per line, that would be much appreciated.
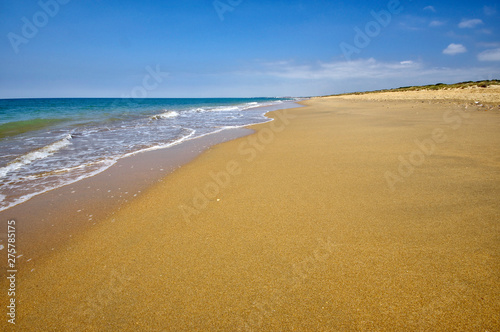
(226, 109)
(199, 110)
(165, 115)
(215, 109)
(37, 154)
(157, 147)
(105, 165)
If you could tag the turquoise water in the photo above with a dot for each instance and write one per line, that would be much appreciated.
(48, 143)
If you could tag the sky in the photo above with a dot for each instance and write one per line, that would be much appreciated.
(241, 48)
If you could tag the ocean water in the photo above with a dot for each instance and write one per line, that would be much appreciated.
(48, 143)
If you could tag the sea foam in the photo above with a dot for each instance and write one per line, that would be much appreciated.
(165, 115)
(37, 154)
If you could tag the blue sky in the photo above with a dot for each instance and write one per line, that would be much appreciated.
(241, 48)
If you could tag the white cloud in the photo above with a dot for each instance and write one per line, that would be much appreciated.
(430, 8)
(364, 68)
(470, 23)
(489, 10)
(436, 23)
(453, 49)
(489, 55)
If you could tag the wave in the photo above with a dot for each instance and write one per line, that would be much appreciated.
(106, 164)
(263, 104)
(215, 109)
(237, 108)
(162, 146)
(252, 105)
(37, 154)
(165, 115)
(198, 110)
(226, 108)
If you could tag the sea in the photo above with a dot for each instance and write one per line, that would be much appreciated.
(49, 143)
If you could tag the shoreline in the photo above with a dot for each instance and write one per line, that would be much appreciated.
(63, 212)
(77, 150)
(296, 227)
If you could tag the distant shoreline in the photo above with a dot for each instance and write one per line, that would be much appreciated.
(429, 87)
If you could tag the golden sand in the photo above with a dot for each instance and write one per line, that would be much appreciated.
(346, 214)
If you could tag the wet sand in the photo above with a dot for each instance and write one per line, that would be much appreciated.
(343, 215)
(47, 221)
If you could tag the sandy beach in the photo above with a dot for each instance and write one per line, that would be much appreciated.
(352, 213)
